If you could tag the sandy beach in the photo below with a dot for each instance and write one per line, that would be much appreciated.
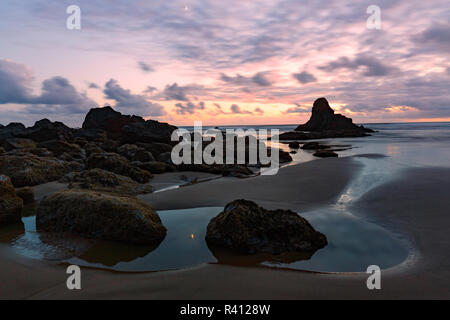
(414, 205)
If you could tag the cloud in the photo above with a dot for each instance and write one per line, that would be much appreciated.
(131, 103)
(304, 77)
(259, 111)
(297, 109)
(259, 79)
(437, 37)
(175, 92)
(372, 67)
(57, 96)
(189, 107)
(235, 109)
(15, 81)
(93, 85)
(145, 67)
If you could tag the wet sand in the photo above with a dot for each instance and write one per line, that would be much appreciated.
(415, 204)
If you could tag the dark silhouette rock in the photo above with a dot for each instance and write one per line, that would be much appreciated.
(323, 118)
(313, 146)
(147, 132)
(44, 130)
(245, 227)
(294, 145)
(155, 167)
(109, 120)
(126, 128)
(11, 205)
(325, 154)
(102, 216)
(324, 123)
(18, 143)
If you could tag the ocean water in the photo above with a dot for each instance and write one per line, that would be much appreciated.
(354, 243)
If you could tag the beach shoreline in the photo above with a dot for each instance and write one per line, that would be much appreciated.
(423, 275)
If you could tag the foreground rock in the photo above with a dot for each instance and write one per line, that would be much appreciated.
(29, 170)
(324, 123)
(102, 216)
(11, 205)
(245, 227)
(105, 181)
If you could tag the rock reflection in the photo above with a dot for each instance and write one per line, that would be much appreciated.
(225, 256)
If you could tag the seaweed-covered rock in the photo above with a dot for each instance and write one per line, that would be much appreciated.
(27, 169)
(116, 163)
(134, 153)
(245, 227)
(11, 205)
(102, 216)
(105, 181)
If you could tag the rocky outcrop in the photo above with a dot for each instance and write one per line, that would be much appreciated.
(294, 145)
(44, 130)
(27, 169)
(11, 205)
(109, 120)
(245, 227)
(114, 162)
(102, 216)
(105, 181)
(323, 118)
(128, 129)
(324, 123)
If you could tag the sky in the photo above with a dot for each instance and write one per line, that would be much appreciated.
(225, 62)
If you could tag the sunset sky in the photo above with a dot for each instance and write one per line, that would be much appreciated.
(225, 62)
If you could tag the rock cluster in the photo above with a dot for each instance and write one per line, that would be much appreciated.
(245, 227)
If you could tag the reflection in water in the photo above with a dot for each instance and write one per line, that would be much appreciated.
(392, 150)
(225, 256)
(353, 245)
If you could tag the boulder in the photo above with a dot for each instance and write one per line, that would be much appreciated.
(155, 148)
(116, 163)
(325, 154)
(27, 169)
(99, 215)
(245, 227)
(11, 205)
(105, 181)
(134, 153)
(26, 194)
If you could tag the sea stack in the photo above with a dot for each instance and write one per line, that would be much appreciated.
(324, 123)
